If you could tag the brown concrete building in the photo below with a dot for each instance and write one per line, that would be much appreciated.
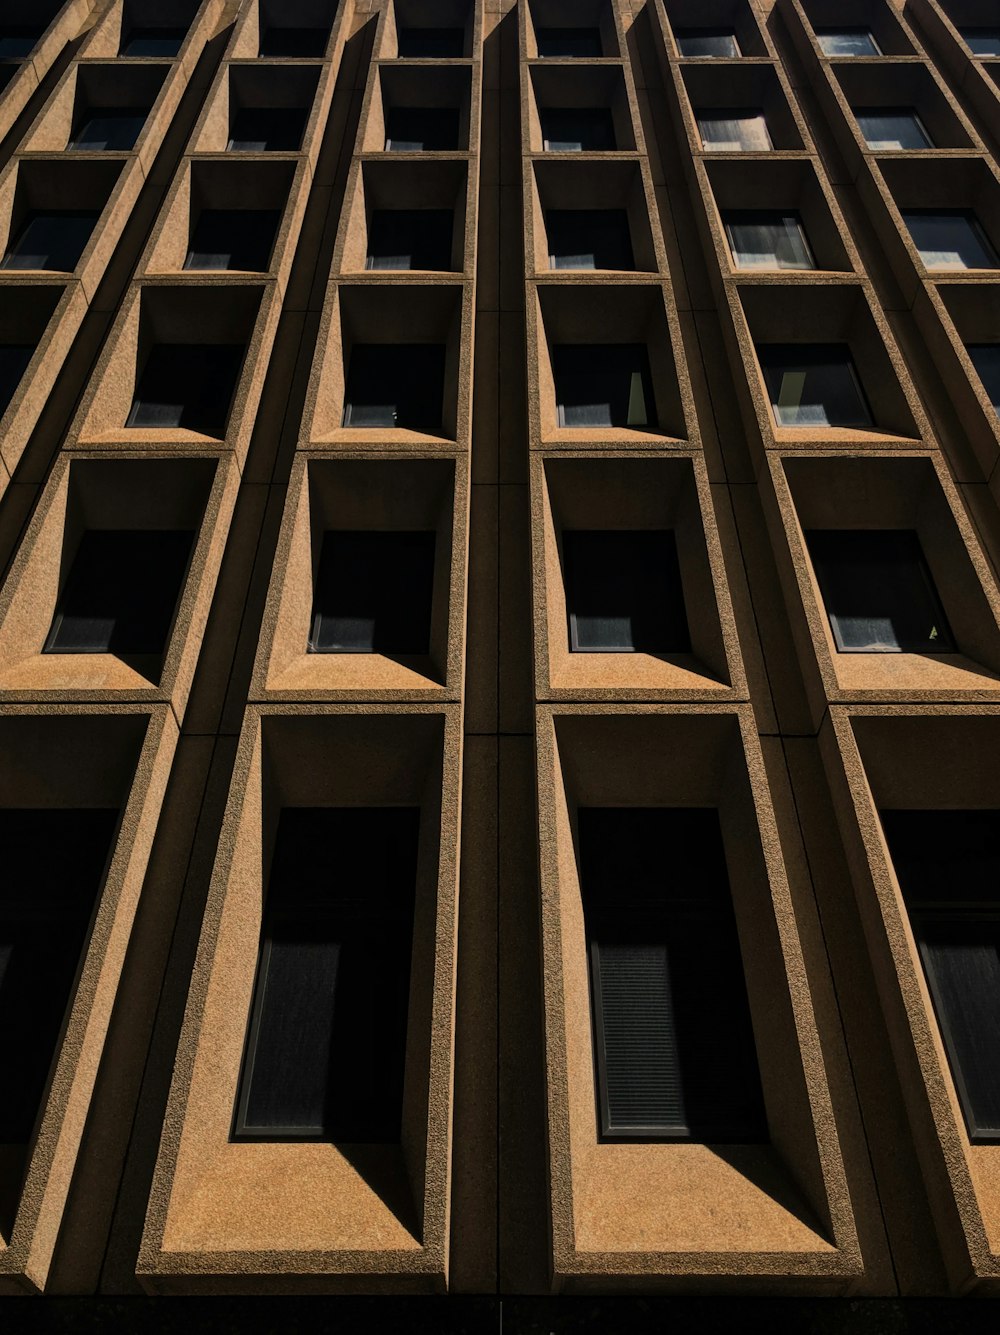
(500, 663)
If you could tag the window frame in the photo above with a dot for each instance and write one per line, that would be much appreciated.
(735, 114)
(910, 113)
(729, 219)
(869, 423)
(827, 30)
(970, 217)
(683, 33)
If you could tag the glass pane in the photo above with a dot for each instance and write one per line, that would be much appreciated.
(878, 592)
(949, 239)
(847, 42)
(718, 42)
(52, 241)
(887, 128)
(765, 240)
(675, 1048)
(624, 592)
(395, 385)
(982, 41)
(603, 384)
(301, 43)
(374, 592)
(17, 42)
(267, 129)
(111, 128)
(410, 239)
(578, 130)
(813, 385)
(733, 131)
(14, 359)
(986, 360)
(187, 385)
(569, 42)
(435, 43)
(422, 129)
(233, 239)
(589, 239)
(154, 42)
(55, 860)
(121, 592)
(327, 1043)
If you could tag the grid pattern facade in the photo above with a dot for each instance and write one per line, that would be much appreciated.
(485, 298)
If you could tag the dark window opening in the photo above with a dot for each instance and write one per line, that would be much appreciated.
(187, 385)
(950, 239)
(624, 592)
(14, 360)
(878, 592)
(948, 867)
(673, 1041)
(986, 359)
(121, 592)
(720, 43)
(395, 385)
(267, 129)
(847, 42)
(768, 239)
(326, 1048)
(51, 240)
(114, 129)
(295, 43)
(233, 239)
(589, 239)
(578, 130)
(892, 128)
(16, 42)
(733, 130)
(374, 592)
(814, 384)
(431, 43)
(54, 864)
(603, 384)
(422, 129)
(164, 42)
(410, 239)
(569, 43)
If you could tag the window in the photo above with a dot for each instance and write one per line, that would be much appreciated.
(395, 385)
(267, 129)
(233, 239)
(295, 43)
(847, 42)
(589, 239)
(14, 359)
(55, 860)
(730, 130)
(373, 594)
(51, 240)
(950, 239)
(948, 867)
(165, 42)
(892, 128)
(121, 592)
(623, 592)
(813, 384)
(673, 1041)
(422, 129)
(431, 43)
(718, 42)
(767, 239)
(18, 42)
(187, 385)
(986, 359)
(578, 130)
(326, 1047)
(109, 128)
(410, 239)
(982, 41)
(878, 592)
(603, 384)
(575, 43)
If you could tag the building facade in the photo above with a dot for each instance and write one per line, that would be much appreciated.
(500, 648)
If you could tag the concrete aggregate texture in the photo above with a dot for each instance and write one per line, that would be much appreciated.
(499, 131)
